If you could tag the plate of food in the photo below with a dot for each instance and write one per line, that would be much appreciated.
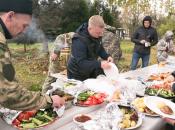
(161, 106)
(161, 92)
(35, 119)
(131, 119)
(159, 77)
(89, 98)
(140, 106)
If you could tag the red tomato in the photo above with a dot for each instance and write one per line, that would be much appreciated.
(16, 122)
(88, 102)
(31, 113)
(94, 101)
(89, 98)
(100, 100)
(23, 116)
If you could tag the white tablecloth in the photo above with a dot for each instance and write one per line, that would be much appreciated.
(65, 123)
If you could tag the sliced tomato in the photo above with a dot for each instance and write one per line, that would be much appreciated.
(31, 113)
(100, 100)
(16, 122)
(23, 116)
(90, 98)
(94, 101)
(88, 103)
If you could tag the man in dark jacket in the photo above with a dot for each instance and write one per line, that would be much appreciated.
(144, 38)
(86, 48)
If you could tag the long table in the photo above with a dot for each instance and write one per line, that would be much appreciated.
(65, 122)
(149, 123)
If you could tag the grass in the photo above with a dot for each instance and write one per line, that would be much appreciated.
(31, 68)
(29, 72)
(127, 50)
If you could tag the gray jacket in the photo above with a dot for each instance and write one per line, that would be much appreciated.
(163, 48)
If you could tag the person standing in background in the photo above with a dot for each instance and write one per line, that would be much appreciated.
(165, 46)
(144, 38)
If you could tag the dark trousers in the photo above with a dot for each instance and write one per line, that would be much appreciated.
(135, 59)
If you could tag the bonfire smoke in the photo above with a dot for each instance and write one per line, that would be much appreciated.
(33, 34)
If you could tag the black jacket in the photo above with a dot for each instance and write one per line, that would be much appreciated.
(84, 53)
(142, 33)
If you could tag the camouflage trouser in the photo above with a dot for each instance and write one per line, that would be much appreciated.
(162, 56)
(54, 67)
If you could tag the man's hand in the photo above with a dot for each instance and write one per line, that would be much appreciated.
(105, 65)
(142, 41)
(57, 101)
(171, 121)
(110, 59)
(53, 56)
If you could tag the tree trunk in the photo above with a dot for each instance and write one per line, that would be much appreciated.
(25, 48)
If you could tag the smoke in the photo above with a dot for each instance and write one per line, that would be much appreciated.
(33, 34)
(36, 34)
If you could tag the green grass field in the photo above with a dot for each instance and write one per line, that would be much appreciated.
(31, 69)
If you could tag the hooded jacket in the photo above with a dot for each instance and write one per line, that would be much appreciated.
(85, 51)
(149, 34)
(165, 46)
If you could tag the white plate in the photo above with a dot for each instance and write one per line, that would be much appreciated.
(152, 101)
(140, 118)
(112, 73)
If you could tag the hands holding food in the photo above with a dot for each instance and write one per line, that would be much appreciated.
(57, 101)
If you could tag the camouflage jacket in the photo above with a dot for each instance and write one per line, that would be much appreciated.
(63, 41)
(163, 48)
(12, 95)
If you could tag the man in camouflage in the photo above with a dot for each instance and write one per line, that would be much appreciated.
(165, 46)
(15, 16)
(58, 58)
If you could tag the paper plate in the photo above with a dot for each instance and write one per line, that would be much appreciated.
(112, 73)
(152, 101)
